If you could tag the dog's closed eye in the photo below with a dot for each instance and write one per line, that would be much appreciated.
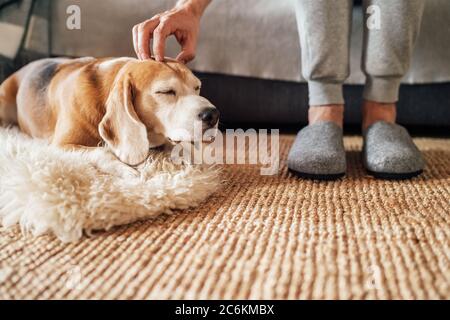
(169, 92)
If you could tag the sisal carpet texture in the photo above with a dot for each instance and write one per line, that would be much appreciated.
(260, 237)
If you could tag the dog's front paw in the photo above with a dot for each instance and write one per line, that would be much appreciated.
(108, 163)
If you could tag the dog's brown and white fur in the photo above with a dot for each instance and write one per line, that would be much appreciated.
(128, 104)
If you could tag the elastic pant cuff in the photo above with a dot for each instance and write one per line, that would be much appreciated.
(384, 90)
(321, 93)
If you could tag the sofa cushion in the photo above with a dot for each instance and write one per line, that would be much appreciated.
(255, 38)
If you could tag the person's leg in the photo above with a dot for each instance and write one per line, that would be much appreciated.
(387, 53)
(324, 31)
(388, 47)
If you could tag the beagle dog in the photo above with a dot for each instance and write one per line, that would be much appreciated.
(127, 104)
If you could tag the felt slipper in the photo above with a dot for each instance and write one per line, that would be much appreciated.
(318, 152)
(390, 153)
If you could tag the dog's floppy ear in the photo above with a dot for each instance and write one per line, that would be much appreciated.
(121, 127)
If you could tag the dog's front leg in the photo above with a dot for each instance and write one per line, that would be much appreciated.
(105, 161)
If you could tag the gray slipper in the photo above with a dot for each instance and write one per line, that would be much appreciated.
(318, 152)
(390, 153)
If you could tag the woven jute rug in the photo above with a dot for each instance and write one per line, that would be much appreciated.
(260, 237)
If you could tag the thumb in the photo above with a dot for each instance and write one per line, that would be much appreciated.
(185, 56)
(187, 51)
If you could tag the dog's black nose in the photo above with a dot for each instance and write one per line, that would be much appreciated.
(209, 116)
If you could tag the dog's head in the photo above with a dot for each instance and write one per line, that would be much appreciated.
(152, 102)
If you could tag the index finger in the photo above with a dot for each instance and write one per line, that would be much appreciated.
(159, 39)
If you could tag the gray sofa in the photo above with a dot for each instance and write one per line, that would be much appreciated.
(249, 57)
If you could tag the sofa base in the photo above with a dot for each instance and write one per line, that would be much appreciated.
(257, 101)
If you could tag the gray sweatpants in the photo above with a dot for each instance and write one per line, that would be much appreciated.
(390, 30)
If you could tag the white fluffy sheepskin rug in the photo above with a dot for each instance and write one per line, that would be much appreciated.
(47, 190)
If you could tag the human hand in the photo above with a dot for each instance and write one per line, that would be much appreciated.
(183, 21)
